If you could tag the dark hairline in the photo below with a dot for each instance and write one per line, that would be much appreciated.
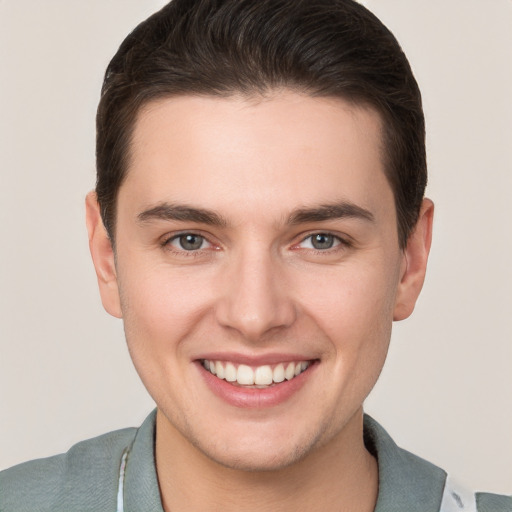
(324, 48)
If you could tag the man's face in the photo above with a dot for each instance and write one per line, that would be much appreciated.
(257, 237)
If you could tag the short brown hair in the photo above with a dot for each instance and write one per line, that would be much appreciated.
(334, 48)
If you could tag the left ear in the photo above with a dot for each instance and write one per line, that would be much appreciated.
(414, 265)
(102, 254)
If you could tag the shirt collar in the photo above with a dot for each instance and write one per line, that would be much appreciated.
(141, 490)
(406, 482)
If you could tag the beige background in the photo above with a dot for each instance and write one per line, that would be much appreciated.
(64, 371)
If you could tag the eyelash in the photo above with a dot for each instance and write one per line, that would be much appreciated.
(167, 244)
(338, 243)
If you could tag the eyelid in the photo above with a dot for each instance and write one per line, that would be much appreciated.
(341, 240)
(166, 240)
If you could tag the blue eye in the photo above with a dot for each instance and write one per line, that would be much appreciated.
(188, 242)
(321, 241)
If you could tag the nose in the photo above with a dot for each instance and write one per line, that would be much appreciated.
(254, 297)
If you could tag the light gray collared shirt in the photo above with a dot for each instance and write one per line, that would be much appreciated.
(116, 472)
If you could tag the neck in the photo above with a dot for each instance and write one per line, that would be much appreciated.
(340, 475)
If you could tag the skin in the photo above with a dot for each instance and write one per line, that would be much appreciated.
(257, 287)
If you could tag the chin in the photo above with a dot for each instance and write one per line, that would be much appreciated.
(258, 462)
(260, 452)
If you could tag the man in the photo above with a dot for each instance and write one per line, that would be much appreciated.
(258, 223)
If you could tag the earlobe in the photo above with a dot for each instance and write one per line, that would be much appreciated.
(415, 259)
(102, 256)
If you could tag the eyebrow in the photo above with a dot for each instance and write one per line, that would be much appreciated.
(166, 211)
(340, 210)
(184, 213)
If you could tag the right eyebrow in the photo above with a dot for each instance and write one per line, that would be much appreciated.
(324, 212)
(184, 213)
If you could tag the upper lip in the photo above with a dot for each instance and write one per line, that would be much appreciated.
(255, 360)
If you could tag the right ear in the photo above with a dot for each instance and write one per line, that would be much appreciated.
(102, 256)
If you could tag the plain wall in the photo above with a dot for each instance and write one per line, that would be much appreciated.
(65, 373)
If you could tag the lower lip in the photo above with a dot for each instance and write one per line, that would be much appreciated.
(255, 398)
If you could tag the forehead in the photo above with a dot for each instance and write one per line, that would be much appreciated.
(276, 152)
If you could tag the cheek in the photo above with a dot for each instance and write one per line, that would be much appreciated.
(161, 307)
(353, 303)
(160, 313)
(355, 312)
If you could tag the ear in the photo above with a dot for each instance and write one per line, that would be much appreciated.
(102, 256)
(414, 264)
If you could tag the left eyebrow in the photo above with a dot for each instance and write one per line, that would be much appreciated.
(181, 213)
(341, 210)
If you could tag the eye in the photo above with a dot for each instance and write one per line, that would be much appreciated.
(188, 242)
(320, 241)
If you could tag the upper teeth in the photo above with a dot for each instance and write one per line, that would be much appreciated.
(259, 376)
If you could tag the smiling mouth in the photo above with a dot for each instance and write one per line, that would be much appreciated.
(255, 377)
